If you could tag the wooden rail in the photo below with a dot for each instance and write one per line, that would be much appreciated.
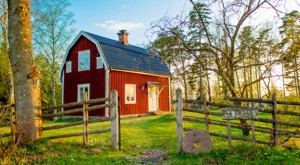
(103, 119)
(77, 110)
(80, 134)
(74, 104)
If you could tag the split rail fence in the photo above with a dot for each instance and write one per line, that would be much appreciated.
(6, 118)
(111, 103)
(202, 107)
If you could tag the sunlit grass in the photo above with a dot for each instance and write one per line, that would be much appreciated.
(150, 132)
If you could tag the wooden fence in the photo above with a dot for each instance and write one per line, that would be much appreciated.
(202, 107)
(114, 118)
(6, 119)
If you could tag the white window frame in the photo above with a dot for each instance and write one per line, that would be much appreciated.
(127, 87)
(69, 67)
(78, 91)
(98, 64)
(81, 53)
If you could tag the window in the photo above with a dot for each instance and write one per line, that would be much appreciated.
(99, 62)
(130, 93)
(69, 67)
(84, 60)
(83, 88)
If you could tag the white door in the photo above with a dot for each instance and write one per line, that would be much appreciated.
(153, 98)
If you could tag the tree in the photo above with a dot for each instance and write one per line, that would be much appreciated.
(219, 40)
(178, 60)
(6, 87)
(290, 31)
(224, 51)
(52, 31)
(25, 72)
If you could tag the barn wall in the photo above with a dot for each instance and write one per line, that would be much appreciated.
(95, 77)
(118, 80)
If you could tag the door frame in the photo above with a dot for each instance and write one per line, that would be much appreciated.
(151, 87)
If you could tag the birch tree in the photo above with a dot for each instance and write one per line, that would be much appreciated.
(52, 31)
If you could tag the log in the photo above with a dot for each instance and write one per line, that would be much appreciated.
(75, 111)
(202, 111)
(279, 122)
(234, 137)
(79, 134)
(94, 101)
(250, 100)
(103, 119)
(288, 102)
(281, 112)
(223, 123)
(44, 109)
(264, 101)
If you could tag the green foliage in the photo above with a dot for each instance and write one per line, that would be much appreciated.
(52, 28)
(290, 45)
(46, 92)
(4, 78)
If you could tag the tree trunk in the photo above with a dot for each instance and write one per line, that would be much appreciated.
(283, 74)
(200, 84)
(25, 73)
(208, 87)
(185, 86)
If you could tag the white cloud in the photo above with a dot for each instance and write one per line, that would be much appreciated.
(124, 6)
(113, 25)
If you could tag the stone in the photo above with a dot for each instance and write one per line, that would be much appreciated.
(197, 141)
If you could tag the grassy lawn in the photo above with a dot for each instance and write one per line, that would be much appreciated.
(147, 133)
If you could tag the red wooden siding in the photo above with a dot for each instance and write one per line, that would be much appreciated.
(118, 80)
(95, 77)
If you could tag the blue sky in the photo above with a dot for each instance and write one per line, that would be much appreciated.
(106, 17)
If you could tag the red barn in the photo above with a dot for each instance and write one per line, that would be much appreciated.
(98, 65)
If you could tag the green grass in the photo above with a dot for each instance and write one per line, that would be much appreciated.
(151, 132)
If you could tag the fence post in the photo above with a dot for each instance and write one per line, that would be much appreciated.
(13, 124)
(253, 135)
(119, 122)
(115, 130)
(206, 115)
(85, 119)
(229, 136)
(179, 123)
(275, 120)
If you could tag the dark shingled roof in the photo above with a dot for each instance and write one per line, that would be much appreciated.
(129, 57)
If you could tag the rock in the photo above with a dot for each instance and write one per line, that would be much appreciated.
(153, 156)
(96, 149)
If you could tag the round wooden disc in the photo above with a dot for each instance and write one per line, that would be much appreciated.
(196, 141)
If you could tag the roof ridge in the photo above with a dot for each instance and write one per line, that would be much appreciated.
(118, 44)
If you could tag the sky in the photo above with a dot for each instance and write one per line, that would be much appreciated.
(107, 17)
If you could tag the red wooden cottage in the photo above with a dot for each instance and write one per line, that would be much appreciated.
(98, 65)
